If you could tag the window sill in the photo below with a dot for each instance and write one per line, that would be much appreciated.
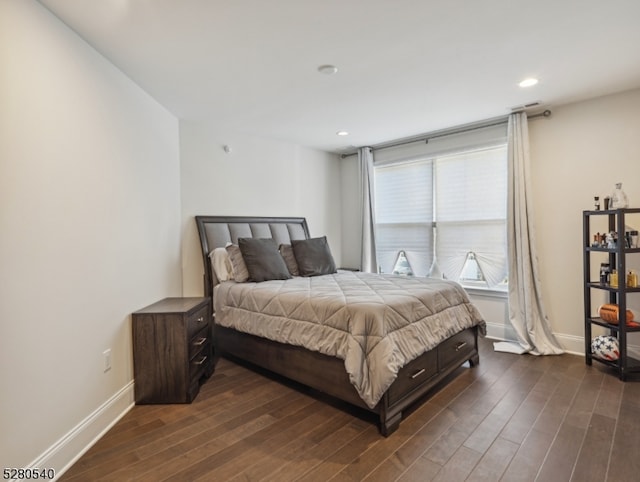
(487, 293)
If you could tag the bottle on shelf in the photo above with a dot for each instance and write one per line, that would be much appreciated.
(619, 199)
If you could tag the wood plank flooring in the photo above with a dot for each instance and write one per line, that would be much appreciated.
(512, 418)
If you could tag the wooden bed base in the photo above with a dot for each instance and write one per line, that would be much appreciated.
(321, 372)
(328, 375)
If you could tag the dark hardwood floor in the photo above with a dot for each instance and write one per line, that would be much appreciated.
(512, 418)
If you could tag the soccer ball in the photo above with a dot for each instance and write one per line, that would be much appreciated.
(605, 347)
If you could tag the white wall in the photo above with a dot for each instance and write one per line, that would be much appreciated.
(581, 151)
(90, 231)
(351, 212)
(259, 177)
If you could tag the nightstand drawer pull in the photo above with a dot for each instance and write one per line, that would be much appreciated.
(200, 341)
(201, 361)
(461, 345)
(200, 320)
(418, 373)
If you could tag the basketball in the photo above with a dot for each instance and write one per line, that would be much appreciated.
(605, 347)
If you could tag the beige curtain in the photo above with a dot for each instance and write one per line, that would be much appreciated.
(526, 309)
(368, 262)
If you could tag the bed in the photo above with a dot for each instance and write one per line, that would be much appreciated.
(379, 342)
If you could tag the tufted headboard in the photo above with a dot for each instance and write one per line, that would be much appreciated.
(217, 231)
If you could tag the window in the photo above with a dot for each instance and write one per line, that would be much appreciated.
(444, 214)
(402, 265)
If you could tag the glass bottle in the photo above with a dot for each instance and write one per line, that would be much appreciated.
(619, 199)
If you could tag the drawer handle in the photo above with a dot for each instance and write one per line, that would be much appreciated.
(201, 361)
(200, 320)
(200, 341)
(418, 373)
(461, 345)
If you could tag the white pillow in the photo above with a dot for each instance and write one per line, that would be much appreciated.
(221, 264)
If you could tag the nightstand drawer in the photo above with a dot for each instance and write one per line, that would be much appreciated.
(197, 321)
(200, 362)
(198, 342)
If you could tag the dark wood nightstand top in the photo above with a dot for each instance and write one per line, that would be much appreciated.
(173, 305)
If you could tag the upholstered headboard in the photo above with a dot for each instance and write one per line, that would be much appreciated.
(217, 231)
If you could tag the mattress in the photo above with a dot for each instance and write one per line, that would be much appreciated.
(375, 323)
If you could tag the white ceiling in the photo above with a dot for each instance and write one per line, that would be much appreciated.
(405, 66)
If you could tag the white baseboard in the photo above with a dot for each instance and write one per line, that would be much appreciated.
(501, 331)
(571, 344)
(66, 451)
(575, 345)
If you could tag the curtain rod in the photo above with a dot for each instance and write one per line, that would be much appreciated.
(447, 132)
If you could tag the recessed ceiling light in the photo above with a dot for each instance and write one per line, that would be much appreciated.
(528, 82)
(342, 133)
(327, 69)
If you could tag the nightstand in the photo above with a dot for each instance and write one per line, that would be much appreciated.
(172, 350)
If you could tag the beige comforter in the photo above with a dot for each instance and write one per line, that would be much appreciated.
(375, 323)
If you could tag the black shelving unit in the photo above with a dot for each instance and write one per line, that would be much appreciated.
(617, 295)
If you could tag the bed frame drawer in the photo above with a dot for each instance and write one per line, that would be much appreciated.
(459, 347)
(413, 375)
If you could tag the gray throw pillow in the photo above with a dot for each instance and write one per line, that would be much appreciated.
(313, 256)
(289, 258)
(263, 260)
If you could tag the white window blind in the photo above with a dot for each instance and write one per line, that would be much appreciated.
(404, 215)
(446, 209)
(471, 200)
